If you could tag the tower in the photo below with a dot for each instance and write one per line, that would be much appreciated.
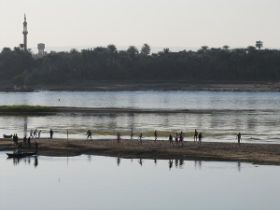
(41, 49)
(25, 32)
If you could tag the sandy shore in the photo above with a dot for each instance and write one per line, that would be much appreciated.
(254, 153)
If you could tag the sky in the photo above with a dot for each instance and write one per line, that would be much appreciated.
(160, 23)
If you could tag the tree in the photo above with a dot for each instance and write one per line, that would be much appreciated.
(146, 49)
(204, 48)
(226, 47)
(112, 48)
(132, 50)
(259, 44)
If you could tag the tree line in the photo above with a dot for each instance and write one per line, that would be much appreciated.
(219, 65)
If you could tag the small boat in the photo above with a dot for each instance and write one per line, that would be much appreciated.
(19, 154)
(7, 136)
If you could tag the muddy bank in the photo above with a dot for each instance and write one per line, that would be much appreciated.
(150, 85)
(254, 153)
(52, 110)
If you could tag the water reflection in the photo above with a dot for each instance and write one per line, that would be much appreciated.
(239, 166)
(173, 163)
(140, 161)
(177, 163)
(90, 184)
(197, 164)
(118, 161)
(26, 160)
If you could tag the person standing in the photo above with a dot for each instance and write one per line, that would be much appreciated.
(118, 137)
(181, 138)
(156, 135)
(51, 133)
(238, 136)
(195, 135)
(140, 138)
(176, 138)
(89, 134)
(200, 138)
(170, 139)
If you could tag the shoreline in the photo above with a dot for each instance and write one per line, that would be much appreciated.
(51, 110)
(266, 154)
(249, 86)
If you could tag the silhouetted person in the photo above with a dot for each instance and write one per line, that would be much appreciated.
(156, 135)
(15, 139)
(170, 139)
(238, 136)
(89, 134)
(200, 137)
(24, 140)
(118, 137)
(39, 134)
(51, 133)
(140, 138)
(35, 133)
(181, 138)
(176, 138)
(195, 136)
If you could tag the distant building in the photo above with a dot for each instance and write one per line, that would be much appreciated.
(41, 49)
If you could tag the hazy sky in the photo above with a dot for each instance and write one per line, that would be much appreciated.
(161, 23)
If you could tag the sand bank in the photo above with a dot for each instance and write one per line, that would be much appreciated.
(254, 153)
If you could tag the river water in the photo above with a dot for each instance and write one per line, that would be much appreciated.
(102, 183)
(219, 115)
(105, 183)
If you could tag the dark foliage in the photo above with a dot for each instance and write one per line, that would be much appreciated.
(107, 63)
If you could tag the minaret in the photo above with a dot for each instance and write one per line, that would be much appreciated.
(25, 32)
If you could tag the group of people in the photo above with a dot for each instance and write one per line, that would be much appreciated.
(35, 133)
(197, 136)
(178, 138)
(26, 140)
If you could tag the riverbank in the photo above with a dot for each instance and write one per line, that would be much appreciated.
(254, 153)
(148, 86)
(51, 110)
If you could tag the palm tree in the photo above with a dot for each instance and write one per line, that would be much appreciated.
(259, 44)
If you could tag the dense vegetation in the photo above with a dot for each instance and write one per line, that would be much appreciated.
(220, 65)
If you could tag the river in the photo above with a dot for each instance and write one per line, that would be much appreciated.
(101, 183)
(219, 115)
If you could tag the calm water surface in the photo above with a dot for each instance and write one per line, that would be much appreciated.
(255, 114)
(90, 182)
